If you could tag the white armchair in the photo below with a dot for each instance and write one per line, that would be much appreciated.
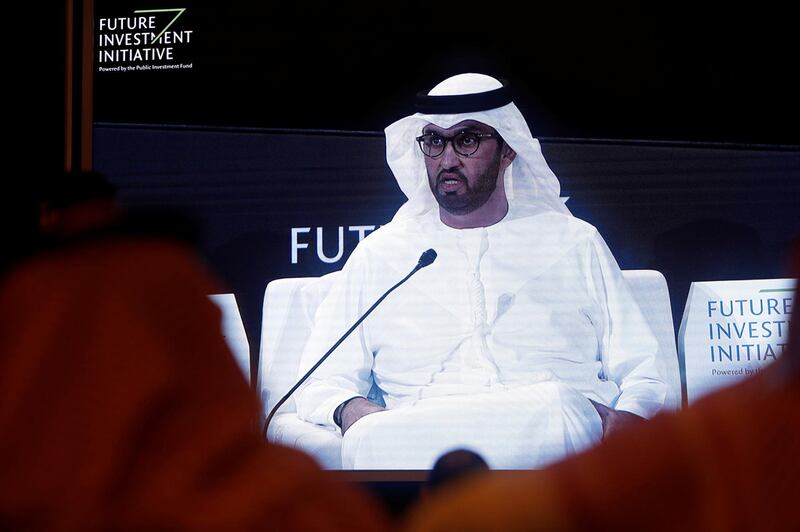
(288, 314)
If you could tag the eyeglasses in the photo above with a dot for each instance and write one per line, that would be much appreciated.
(465, 143)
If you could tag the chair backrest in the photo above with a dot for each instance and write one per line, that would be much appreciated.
(287, 301)
(649, 288)
(294, 301)
(233, 330)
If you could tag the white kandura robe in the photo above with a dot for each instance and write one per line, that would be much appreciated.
(496, 346)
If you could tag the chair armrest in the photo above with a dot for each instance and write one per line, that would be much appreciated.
(324, 444)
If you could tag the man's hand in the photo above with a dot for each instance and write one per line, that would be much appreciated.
(615, 420)
(356, 409)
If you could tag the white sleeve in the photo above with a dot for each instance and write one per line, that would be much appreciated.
(628, 348)
(347, 372)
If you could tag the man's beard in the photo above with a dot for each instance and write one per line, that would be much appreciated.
(474, 196)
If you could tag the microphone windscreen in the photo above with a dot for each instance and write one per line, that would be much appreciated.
(427, 258)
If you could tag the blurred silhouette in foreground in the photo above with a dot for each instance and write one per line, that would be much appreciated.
(729, 462)
(120, 404)
(454, 466)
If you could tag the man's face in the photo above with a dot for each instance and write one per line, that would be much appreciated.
(461, 184)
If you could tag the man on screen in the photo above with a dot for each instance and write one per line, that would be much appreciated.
(521, 341)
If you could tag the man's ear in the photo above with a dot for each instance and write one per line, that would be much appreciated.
(508, 153)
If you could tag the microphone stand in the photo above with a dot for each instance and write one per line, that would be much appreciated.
(425, 259)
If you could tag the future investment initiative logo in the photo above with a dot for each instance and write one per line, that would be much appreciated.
(149, 39)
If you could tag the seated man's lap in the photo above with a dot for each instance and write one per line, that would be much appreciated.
(522, 427)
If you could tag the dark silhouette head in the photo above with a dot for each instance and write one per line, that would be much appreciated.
(455, 465)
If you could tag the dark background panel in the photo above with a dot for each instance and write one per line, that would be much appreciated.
(692, 211)
(629, 71)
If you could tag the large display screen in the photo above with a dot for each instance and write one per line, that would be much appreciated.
(661, 280)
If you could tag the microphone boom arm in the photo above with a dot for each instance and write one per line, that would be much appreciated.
(427, 258)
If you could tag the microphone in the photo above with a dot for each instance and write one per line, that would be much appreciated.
(426, 259)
